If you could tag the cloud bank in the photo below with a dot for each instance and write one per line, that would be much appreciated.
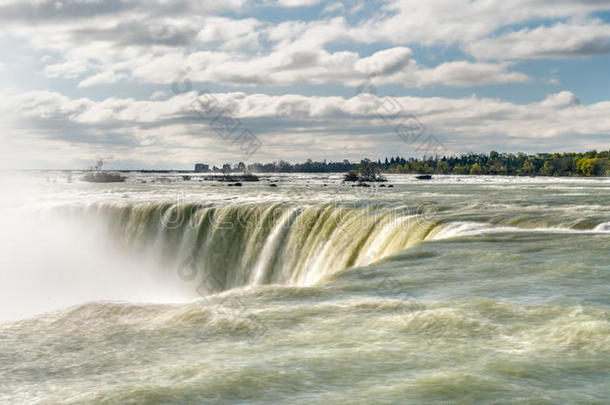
(290, 71)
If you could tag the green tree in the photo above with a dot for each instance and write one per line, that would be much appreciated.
(497, 167)
(442, 167)
(460, 169)
(547, 169)
(425, 168)
(527, 169)
(352, 175)
(476, 169)
(370, 172)
(587, 166)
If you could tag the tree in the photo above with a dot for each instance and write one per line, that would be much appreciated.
(547, 169)
(497, 167)
(460, 169)
(98, 166)
(425, 168)
(352, 175)
(370, 172)
(586, 166)
(527, 169)
(442, 167)
(284, 166)
(476, 169)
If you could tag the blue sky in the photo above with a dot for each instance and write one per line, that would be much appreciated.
(87, 80)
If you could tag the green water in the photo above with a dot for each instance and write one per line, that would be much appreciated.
(460, 290)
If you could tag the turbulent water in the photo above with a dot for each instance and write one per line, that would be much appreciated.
(162, 290)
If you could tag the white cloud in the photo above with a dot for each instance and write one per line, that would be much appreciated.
(557, 41)
(357, 7)
(231, 33)
(333, 7)
(462, 21)
(159, 95)
(323, 123)
(101, 47)
(298, 3)
(295, 65)
(97, 43)
(466, 74)
(384, 62)
(48, 10)
(562, 99)
(106, 77)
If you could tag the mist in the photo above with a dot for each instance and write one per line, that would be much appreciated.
(49, 261)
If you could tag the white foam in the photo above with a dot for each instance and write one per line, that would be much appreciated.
(457, 229)
(603, 227)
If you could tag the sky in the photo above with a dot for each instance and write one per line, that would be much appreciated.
(164, 84)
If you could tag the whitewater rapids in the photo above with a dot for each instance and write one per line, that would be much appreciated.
(162, 290)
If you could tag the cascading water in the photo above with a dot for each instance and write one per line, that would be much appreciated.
(224, 246)
(270, 243)
(467, 289)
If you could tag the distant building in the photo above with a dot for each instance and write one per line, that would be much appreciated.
(200, 167)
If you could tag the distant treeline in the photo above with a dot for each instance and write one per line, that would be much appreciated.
(586, 164)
